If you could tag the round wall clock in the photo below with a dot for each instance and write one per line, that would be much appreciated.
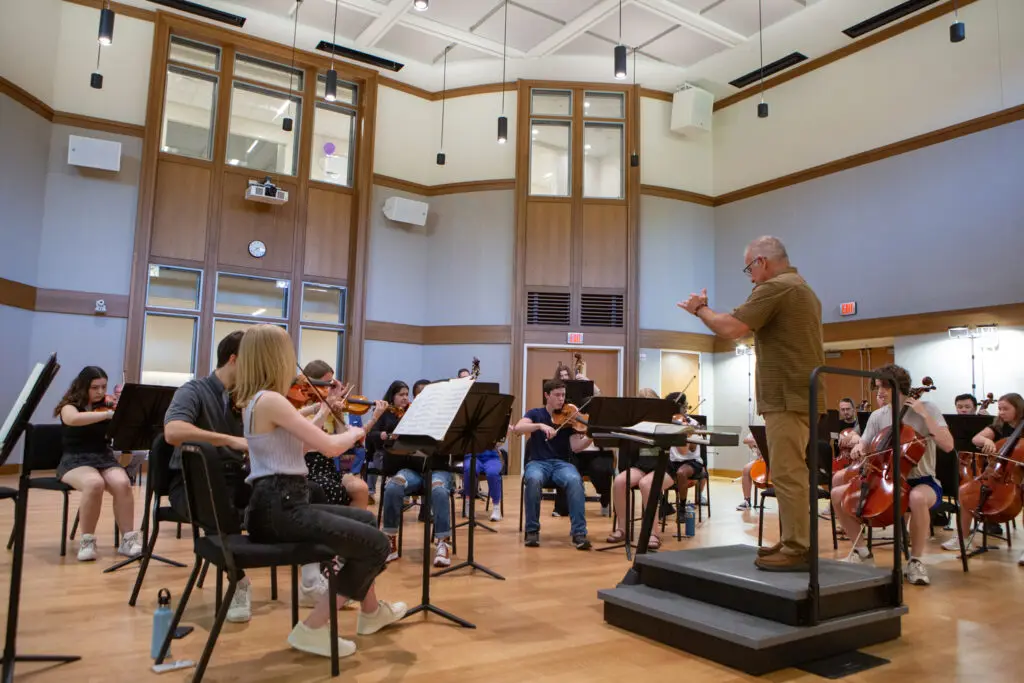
(257, 248)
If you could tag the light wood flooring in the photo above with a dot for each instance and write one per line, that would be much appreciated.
(543, 624)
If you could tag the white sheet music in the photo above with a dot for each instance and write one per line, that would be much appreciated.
(20, 402)
(434, 410)
(658, 428)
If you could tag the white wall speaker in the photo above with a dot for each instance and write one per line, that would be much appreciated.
(692, 110)
(94, 153)
(406, 210)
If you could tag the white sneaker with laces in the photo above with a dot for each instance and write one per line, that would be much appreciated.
(87, 548)
(952, 544)
(393, 555)
(131, 544)
(240, 611)
(317, 641)
(495, 514)
(310, 595)
(443, 556)
(745, 505)
(386, 614)
(859, 556)
(916, 573)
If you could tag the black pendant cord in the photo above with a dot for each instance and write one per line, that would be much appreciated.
(334, 36)
(760, 38)
(504, 59)
(620, 22)
(99, 51)
(295, 34)
(444, 91)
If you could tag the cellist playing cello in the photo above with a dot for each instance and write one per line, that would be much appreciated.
(925, 492)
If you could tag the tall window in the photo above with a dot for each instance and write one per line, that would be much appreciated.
(171, 327)
(334, 135)
(322, 331)
(260, 101)
(242, 301)
(551, 143)
(190, 99)
(604, 139)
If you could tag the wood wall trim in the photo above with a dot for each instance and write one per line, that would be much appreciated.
(27, 297)
(119, 8)
(936, 12)
(416, 91)
(402, 185)
(680, 195)
(677, 341)
(17, 294)
(447, 188)
(657, 94)
(25, 98)
(438, 335)
(923, 323)
(397, 333)
(92, 123)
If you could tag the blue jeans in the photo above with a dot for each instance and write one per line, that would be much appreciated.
(559, 473)
(488, 464)
(410, 482)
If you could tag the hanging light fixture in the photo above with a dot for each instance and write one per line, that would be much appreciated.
(762, 108)
(502, 121)
(287, 123)
(331, 91)
(634, 158)
(96, 79)
(620, 51)
(106, 36)
(421, 5)
(957, 30)
(444, 92)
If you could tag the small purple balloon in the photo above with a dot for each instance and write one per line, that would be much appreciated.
(329, 148)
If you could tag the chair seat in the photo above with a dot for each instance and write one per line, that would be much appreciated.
(48, 484)
(250, 555)
(169, 514)
(7, 492)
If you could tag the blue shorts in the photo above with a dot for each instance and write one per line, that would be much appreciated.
(928, 481)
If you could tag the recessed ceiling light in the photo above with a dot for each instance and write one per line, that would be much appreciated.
(586, 146)
(421, 5)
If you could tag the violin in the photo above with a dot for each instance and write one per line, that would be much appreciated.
(398, 412)
(987, 401)
(869, 496)
(994, 496)
(843, 459)
(106, 405)
(303, 391)
(571, 415)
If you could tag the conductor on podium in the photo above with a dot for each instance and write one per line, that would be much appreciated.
(784, 315)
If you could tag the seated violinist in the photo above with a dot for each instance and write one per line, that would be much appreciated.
(747, 480)
(925, 492)
(1010, 412)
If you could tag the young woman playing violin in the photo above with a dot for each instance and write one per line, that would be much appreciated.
(925, 492)
(89, 465)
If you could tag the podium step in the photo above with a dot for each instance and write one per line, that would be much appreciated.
(725, 576)
(742, 641)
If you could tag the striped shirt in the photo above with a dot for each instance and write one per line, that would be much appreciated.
(785, 316)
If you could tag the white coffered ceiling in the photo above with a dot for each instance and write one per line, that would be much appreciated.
(704, 42)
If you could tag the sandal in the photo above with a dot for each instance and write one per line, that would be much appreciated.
(654, 543)
(616, 536)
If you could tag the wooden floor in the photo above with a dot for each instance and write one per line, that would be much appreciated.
(543, 624)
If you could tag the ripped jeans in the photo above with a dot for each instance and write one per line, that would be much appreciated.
(409, 482)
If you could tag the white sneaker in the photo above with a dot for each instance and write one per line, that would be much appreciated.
(386, 614)
(916, 573)
(443, 557)
(393, 555)
(952, 544)
(1021, 560)
(310, 595)
(240, 611)
(87, 548)
(495, 514)
(859, 556)
(317, 641)
(745, 505)
(131, 544)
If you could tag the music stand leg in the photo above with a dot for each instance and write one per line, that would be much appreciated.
(650, 511)
(138, 558)
(470, 561)
(425, 606)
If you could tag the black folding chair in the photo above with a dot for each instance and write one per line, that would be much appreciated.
(7, 493)
(230, 551)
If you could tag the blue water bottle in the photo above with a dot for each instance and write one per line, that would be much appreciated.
(691, 521)
(161, 623)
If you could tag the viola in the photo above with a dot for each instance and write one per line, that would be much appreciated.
(842, 460)
(987, 401)
(994, 496)
(571, 415)
(871, 483)
(398, 412)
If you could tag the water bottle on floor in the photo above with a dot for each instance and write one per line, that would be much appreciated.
(691, 521)
(161, 623)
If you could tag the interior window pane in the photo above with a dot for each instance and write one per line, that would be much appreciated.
(333, 134)
(262, 71)
(549, 158)
(168, 349)
(325, 345)
(346, 91)
(551, 102)
(173, 287)
(259, 297)
(222, 328)
(188, 113)
(190, 52)
(323, 304)
(604, 105)
(602, 160)
(255, 137)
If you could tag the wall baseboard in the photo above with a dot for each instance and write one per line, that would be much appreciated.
(42, 300)
(725, 474)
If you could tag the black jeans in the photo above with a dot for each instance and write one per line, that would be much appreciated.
(600, 467)
(280, 512)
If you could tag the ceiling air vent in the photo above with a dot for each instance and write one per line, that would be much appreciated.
(602, 310)
(203, 11)
(547, 308)
(769, 69)
(357, 56)
(887, 17)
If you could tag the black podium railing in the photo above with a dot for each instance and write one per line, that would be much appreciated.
(814, 587)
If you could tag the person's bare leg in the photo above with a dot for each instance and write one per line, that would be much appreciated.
(88, 482)
(619, 496)
(747, 483)
(120, 488)
(849, 523)
(921, 500)
(357, 490)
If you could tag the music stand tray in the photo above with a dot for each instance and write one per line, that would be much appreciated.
(14, 426)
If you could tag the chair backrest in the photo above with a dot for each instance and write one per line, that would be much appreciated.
(158, 474)
(209, 502)
(947, 471)
(44, 448)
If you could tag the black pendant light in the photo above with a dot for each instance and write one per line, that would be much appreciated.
(634, 158)
(444, 91)
(762, 108)
(957, 30)
(287, 124)
(502, 120)
(106, 36)
(331, 91)
(620, 51)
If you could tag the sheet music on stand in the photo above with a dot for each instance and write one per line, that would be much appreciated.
(434, 410)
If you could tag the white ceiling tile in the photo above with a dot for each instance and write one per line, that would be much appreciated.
(564, 10)
(588, 45)
(461, 53)
(741, 15)
(525, 28)
(698, 5)
(412, 44)
(321, 15)
(683, 47)
(463, 14)
(638, 26)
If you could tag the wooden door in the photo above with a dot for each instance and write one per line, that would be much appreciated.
(838, 387)
(602, 366)
(680, 371)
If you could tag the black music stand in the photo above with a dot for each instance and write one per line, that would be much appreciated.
(485, 417)
(862, 420)
(964, 428)
(138, 419)
(18, 419)
(472, 523)
(606, 413)
(577, 391)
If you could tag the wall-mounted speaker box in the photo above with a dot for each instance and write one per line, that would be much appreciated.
(94, 153)
(406, 210)
(692, 109)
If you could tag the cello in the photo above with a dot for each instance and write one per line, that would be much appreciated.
(994, 496)
(869, 496)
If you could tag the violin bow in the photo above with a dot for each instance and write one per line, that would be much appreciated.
(573, 416)
(323, 399)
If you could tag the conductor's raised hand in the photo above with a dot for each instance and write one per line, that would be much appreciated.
(694, 302)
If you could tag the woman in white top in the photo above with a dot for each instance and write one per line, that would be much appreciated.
(280, 511)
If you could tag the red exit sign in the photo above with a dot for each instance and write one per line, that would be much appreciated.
(848, 308)
(574, 338)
